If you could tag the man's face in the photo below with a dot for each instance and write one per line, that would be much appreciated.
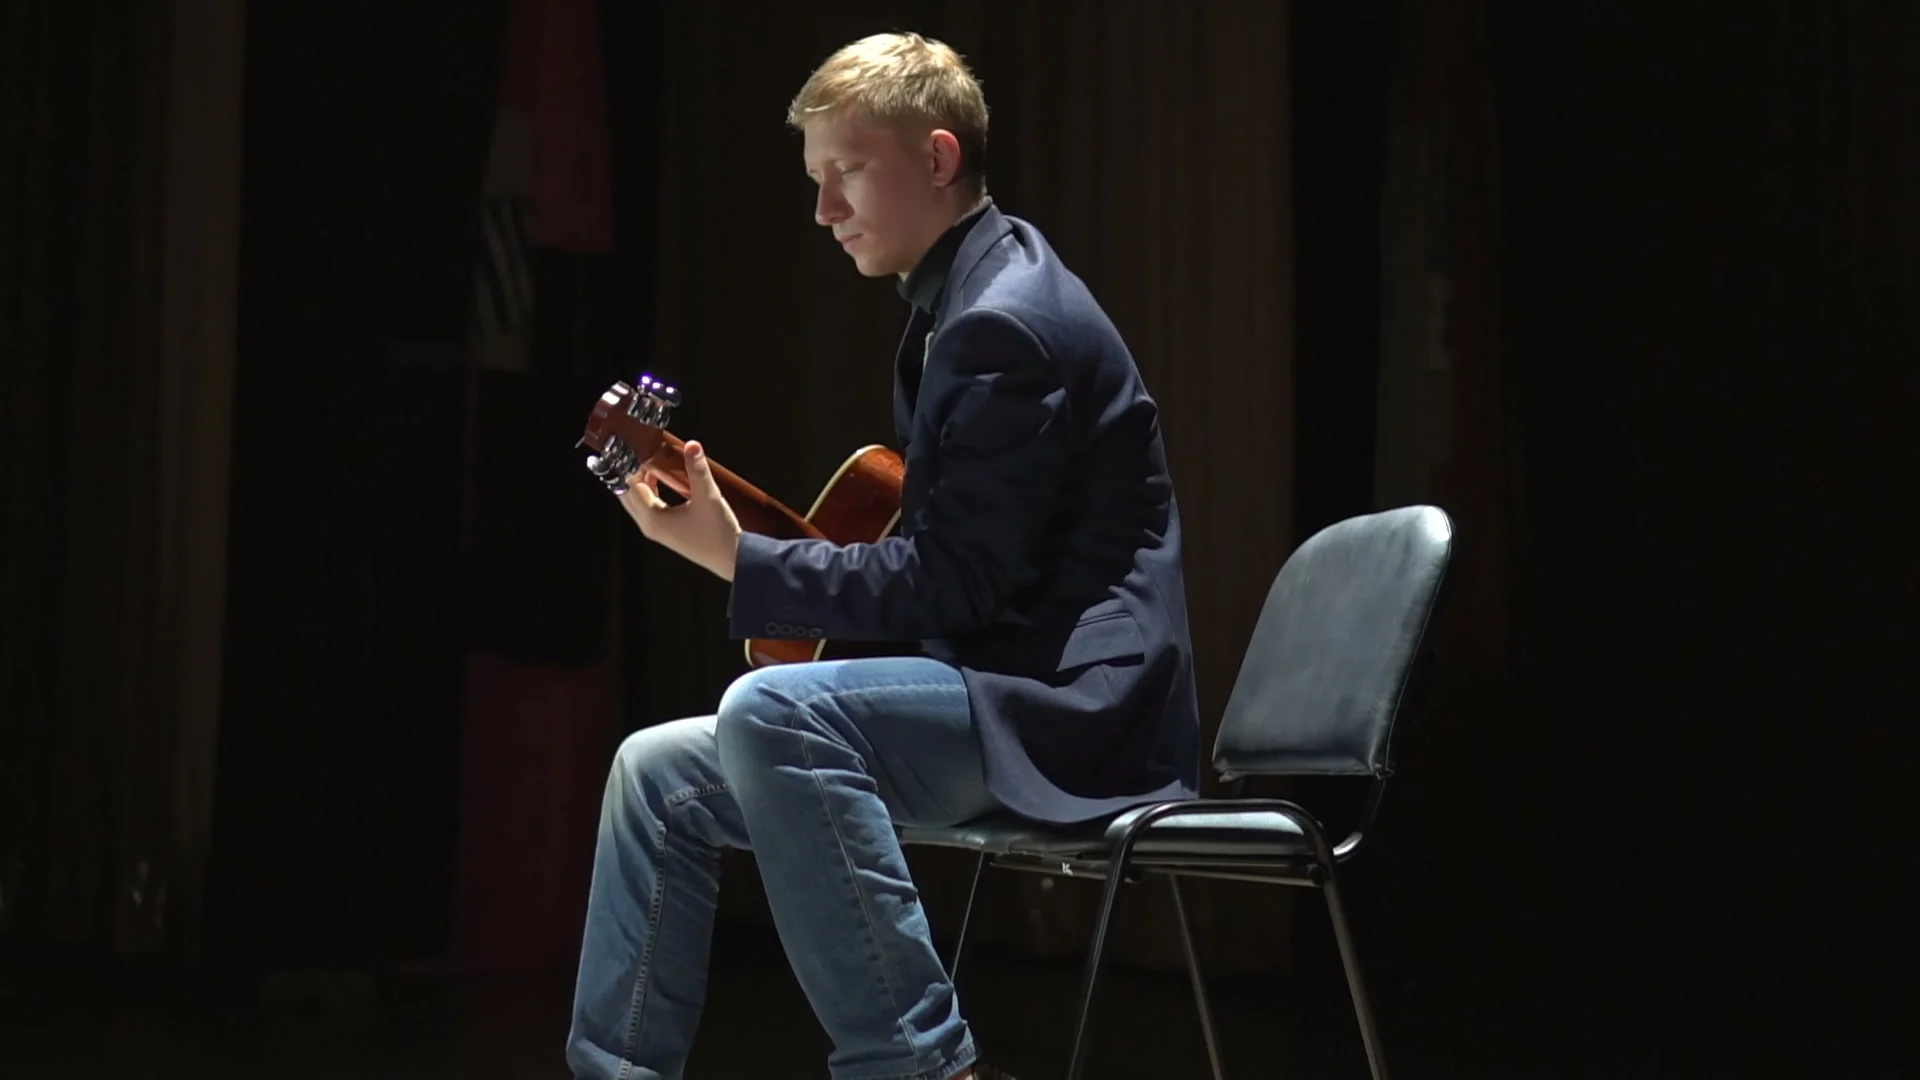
(882, 197)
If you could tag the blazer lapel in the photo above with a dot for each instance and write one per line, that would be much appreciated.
(908, 360)
(988, 231)
(911, 357)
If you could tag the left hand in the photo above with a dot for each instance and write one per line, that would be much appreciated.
(702, 530)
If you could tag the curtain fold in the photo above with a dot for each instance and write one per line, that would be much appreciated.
(1648, 333)
(122, 208)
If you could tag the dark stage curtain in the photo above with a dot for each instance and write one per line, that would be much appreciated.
(117, 293)
(1651, 325)
(1647, 323)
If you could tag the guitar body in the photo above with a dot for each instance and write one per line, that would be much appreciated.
(860, 503)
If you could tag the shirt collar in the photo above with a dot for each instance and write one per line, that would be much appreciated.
(922, 287)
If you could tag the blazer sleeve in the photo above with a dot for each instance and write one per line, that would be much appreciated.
(1004, 439)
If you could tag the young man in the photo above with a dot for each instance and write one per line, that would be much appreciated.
(1037, 562)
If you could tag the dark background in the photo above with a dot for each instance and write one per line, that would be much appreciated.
(1630, 289)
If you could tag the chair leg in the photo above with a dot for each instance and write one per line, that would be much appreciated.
(966, 920)
(1350, 961)
(1109, 899)
(1199, 980)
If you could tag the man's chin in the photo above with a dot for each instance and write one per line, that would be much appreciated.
(872, 269)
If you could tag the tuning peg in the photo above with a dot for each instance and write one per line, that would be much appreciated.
(653, 401)
(658, 390)
(606, 475)
(614, 465)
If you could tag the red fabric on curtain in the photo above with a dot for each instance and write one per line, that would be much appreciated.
(553, 78)
(537, 739)
(534, 756)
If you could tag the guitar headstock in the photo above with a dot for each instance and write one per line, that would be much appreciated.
(628, 425)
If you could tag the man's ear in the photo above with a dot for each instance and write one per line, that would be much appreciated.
(945, 152)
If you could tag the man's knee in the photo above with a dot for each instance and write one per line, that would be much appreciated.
(665, 758)
(759, 714)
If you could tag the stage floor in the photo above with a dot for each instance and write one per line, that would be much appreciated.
(758, 1025)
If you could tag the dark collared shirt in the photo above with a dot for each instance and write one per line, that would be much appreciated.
(923, 286)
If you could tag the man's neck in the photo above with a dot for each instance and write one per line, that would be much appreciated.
(950, 220)
(923, 285)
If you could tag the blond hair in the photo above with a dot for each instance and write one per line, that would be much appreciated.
(905, 82)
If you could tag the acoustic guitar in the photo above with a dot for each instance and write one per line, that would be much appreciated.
(860, 503)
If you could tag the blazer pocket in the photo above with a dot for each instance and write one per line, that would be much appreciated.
(1103, 638)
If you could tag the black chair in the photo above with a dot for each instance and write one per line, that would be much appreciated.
(1319, 688)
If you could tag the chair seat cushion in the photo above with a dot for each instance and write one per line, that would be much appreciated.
(1229, 835)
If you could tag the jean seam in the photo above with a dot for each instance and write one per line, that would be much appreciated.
(963, 1058)
(643, 982)
(810, 700)
(643, 979)
(868, 691)
(686, 795)
(853, 879)
(809, 703)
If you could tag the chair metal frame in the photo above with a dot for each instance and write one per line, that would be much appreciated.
(1109, 854)
(1116, 863)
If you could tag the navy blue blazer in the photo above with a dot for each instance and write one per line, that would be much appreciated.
(1039, 542)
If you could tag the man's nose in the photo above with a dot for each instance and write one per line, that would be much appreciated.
(829, 209)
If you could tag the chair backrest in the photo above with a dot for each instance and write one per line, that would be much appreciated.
(1343, 624)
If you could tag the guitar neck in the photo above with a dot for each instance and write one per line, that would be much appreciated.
(758, 512)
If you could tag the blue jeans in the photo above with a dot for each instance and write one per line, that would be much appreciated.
(809, 766)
